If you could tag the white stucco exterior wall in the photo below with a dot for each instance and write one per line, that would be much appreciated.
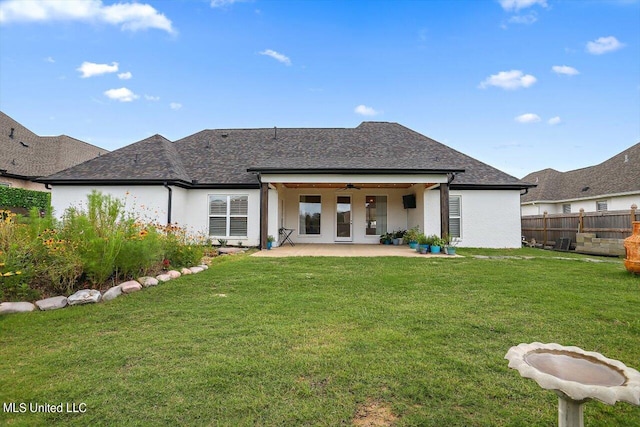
(190, 208)
(490, 218)
(147, 202)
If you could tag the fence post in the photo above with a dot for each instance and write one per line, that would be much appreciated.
(581, 221)
(544, 229)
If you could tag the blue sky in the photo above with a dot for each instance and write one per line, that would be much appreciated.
(519, 84)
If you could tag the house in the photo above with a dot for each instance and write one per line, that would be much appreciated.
(25, 156)
(327, 185)
(612, 185)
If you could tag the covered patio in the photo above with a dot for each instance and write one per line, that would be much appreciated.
(345, 250)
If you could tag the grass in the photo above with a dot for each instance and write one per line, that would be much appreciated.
(311, 341)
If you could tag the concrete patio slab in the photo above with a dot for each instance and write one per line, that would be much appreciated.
(346, 250)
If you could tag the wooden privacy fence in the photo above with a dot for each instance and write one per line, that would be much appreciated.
(548, 228)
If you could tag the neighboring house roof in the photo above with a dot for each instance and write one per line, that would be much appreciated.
(25, 155)
(230, 157)
(618, 175)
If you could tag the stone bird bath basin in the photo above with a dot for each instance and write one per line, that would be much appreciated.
(576, 376)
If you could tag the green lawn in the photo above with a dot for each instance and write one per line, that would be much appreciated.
(314, 341)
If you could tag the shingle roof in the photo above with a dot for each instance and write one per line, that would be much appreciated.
(619, 174)
(223, 156)
(25, 154)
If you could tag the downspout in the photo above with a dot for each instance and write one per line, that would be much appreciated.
(166, 185)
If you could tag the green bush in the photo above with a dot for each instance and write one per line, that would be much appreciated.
(20, 198)
(96, 245)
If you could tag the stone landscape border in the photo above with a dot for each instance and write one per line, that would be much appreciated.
(92, 296)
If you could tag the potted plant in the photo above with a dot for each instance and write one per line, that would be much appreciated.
(411, 236)
(398, 236)
(270, 240)
(436, 244)
(423, 243)
(450, 244)
(386, 238)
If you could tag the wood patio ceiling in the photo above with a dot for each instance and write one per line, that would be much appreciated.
(344, 185)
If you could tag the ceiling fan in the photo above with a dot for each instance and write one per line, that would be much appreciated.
(349, 186)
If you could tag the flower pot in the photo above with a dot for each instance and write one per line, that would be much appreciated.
(269, 245)
(424, 251)
(396, 242)
(413, 245)
(388, 242)
(632, 247)
(435, 249)
(450, 250)
(420, 248)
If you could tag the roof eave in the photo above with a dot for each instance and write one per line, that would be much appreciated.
(497, 186)
(176, 182)
(352, 171)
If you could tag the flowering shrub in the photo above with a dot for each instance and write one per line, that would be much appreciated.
(94, 246)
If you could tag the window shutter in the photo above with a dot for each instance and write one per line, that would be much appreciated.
(217, 226)
(217, 205)
(454, 206)
(238, 226)
(239, 205)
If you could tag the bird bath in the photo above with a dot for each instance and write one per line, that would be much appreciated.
(576, 376)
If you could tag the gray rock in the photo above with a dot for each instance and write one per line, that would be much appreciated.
(16, 307)
(185, 271)
(173, 274)
(112, 293)
(84, 296)
(147, 281)
(229, 251)
(196, 270)
(130, 287)
(53, 303)
(163, 277)
(204, 266)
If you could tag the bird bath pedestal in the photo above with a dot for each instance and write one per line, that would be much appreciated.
(576, 376)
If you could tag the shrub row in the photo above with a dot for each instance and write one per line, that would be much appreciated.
(20, 198)
(92, 246)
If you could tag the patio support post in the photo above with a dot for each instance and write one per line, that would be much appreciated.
(264, 214)
(444, 209)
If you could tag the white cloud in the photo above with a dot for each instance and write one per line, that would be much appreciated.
(152, 98)
(175, 105)
(277, 56)
(129, 16)
(50, 59)
(510, 80)
(524, 19)
(363, 110)
(89, 69)
(604, 45)
(515, 5)
(565, 69)
(554, 121)
(125, 76)
(528, 118)
(223, 3)
(123, 94)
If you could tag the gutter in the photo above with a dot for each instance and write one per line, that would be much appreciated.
(166, 185)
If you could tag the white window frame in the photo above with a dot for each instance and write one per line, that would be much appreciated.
(301, 230)
(228, 215)
(458, 217)
(387, 213)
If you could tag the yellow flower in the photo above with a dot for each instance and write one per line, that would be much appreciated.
(18, 272)
(8, 274)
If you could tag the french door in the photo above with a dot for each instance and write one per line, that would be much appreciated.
(344, 221)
